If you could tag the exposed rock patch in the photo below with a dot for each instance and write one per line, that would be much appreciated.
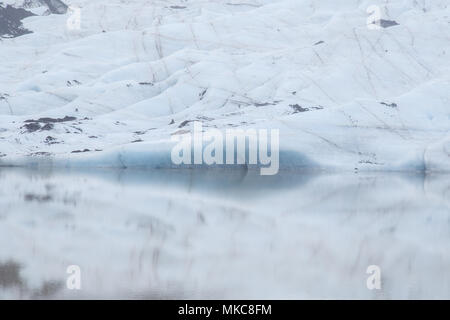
(52, 120)
(298, 108)
(11, 21)
(386, 23)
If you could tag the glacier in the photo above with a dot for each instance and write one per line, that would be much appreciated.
(93, 93)
(344, 95)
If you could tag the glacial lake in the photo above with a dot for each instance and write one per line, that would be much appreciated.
(203, 234)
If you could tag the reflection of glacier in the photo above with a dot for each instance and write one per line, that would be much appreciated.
(135, 74)
(219, 233)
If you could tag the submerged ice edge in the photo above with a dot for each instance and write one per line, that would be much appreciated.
(158, 155)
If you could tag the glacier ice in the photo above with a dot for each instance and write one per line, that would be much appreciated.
(343, 95)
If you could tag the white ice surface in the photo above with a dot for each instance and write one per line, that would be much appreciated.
(138, 65)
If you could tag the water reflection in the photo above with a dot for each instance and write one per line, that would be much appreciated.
(223, 234)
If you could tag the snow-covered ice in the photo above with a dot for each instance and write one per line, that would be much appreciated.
(342, 94)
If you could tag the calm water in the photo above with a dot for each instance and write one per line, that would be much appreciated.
(223, 234)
